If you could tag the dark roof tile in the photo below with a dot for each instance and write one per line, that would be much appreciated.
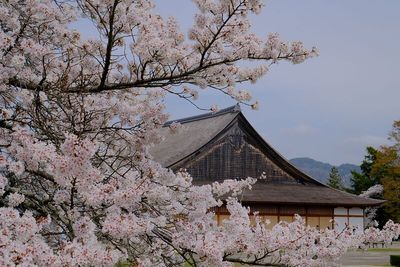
(199, 131)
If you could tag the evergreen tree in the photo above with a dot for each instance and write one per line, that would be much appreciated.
(387, 168)
(362, 181)
(335, 180)
(382, 166)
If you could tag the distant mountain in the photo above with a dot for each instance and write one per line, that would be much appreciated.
(320, 170)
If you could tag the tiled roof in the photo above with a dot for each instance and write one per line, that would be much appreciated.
(199, 135)
(195, 133)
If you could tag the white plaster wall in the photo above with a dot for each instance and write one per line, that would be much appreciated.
(356, 211)
(340, 211)
(340, 223)
(357, 222)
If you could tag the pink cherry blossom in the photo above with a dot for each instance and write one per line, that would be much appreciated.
(79, 115)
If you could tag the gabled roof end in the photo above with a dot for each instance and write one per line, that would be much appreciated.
(232, 109)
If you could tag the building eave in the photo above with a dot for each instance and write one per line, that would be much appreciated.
(261, 194)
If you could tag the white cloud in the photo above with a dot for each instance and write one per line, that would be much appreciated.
(301, 129)
(367, 140)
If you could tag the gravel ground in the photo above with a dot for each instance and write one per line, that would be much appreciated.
(380, 257)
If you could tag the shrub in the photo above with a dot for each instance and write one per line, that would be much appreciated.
(395, 260)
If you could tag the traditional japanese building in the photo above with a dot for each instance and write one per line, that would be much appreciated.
(223, 145)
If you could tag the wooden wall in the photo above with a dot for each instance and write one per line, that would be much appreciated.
(316, 216)
(234, 157)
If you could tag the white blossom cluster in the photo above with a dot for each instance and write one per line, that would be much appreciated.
(375, 191)
(77, 118)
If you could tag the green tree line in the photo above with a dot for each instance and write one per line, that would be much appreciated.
(380, 166)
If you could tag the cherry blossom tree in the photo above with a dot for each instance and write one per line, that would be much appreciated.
(78, 186)
(375, 191)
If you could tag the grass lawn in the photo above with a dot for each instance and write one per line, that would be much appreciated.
(384, 250)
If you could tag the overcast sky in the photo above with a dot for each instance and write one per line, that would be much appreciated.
(331, 107)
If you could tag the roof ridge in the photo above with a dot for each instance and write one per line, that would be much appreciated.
(232, 109)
